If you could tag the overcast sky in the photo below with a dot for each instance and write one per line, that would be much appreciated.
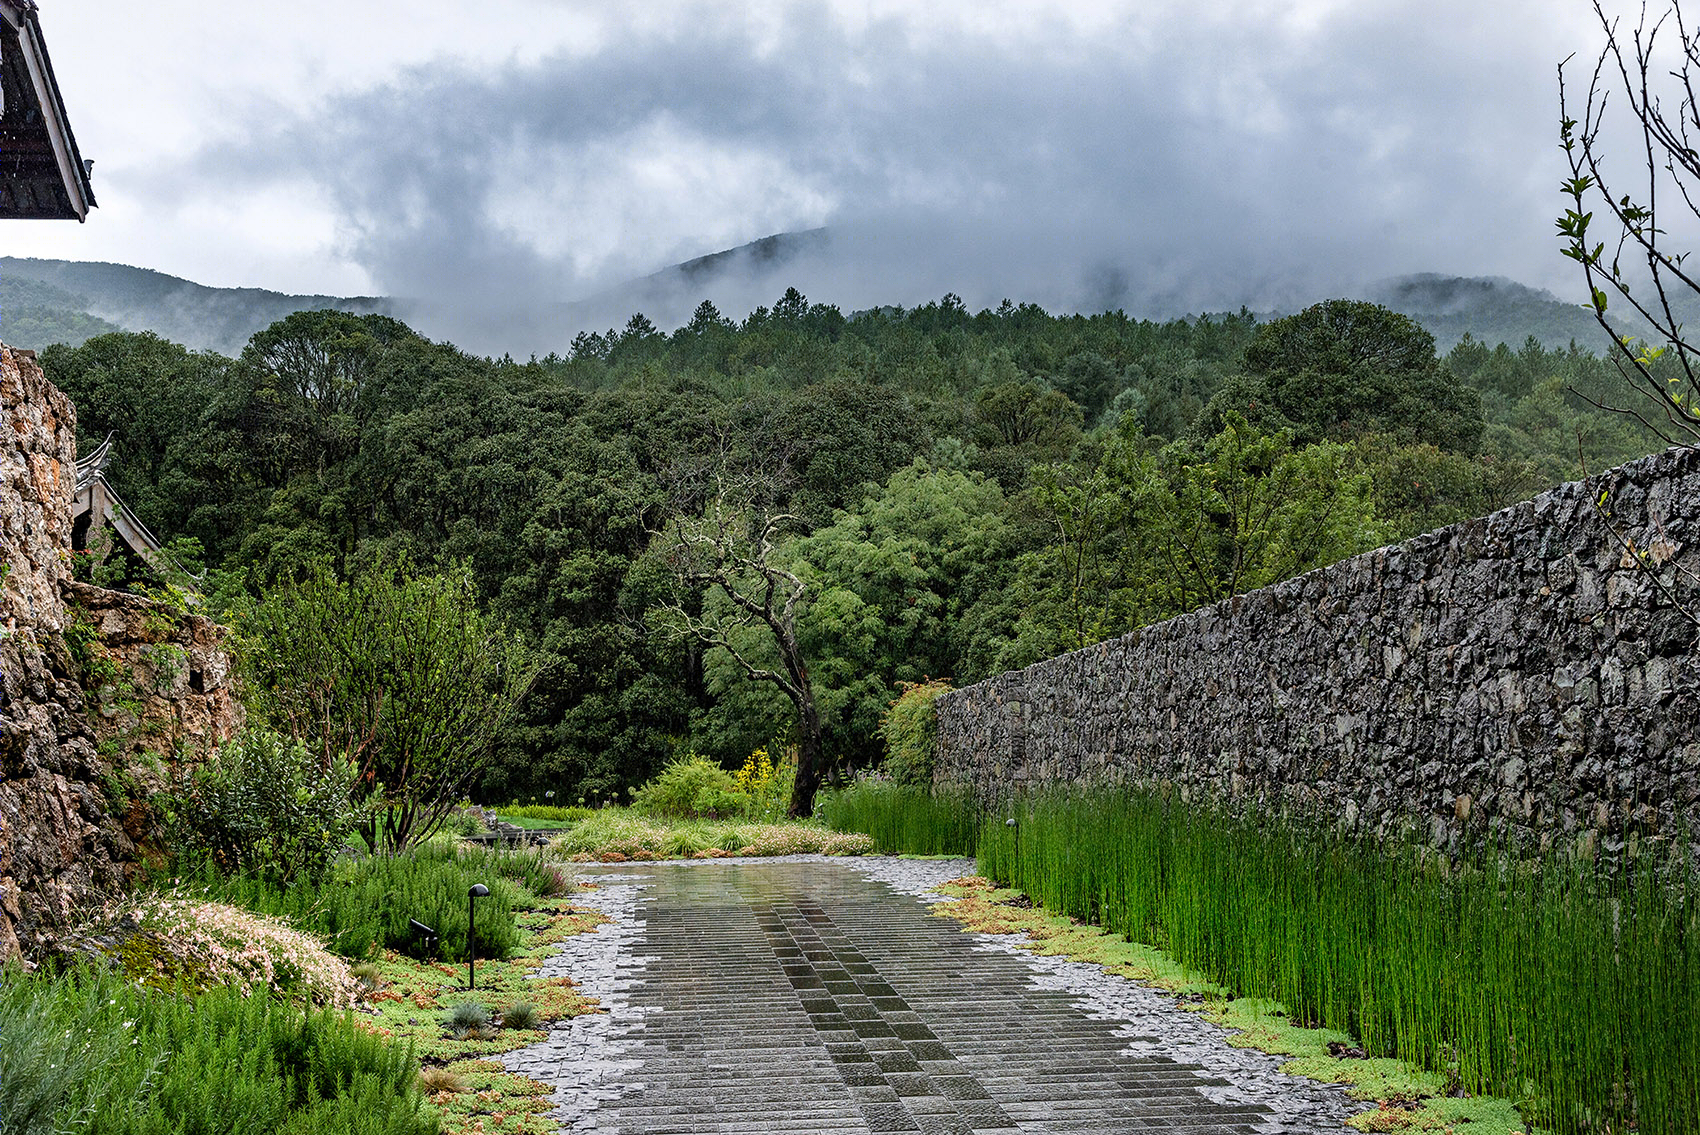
(1158, 153)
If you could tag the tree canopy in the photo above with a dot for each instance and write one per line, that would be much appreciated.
(971, 490)
(1345, 368)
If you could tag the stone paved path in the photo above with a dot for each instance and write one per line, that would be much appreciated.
(820, 996)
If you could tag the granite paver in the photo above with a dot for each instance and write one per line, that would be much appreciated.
(819, 995)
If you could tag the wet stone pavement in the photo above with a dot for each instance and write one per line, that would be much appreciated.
(820, 995)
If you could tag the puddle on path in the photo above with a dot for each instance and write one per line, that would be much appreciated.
(809, 994)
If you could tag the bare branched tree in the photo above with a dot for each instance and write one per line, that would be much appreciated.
(1651, 71)
(730, 548)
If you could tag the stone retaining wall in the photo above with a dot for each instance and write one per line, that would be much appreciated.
(77, 765)
(1520, 672)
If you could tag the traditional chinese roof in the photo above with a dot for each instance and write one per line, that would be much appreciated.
(42, 175)
(96, 505)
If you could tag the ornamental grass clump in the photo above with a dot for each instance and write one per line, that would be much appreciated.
(467, 1018)
(434, 1078)
(618, 833)
(369, 904)
(520, 1015)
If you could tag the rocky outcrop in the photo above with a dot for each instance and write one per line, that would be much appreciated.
(1533, 673)
(164, 683)
(97, 690)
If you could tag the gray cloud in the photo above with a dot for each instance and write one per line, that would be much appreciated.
(1172, 163)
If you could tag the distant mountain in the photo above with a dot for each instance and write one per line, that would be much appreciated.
(47, 301)
(140, 299)
(1491, 309)
(737, 279)
(34, 314)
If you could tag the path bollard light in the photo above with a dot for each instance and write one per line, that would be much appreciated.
(478, 891)
(421, 930)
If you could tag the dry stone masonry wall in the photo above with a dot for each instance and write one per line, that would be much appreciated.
(95, 687)
(1523, 673)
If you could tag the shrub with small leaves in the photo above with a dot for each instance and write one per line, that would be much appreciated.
(263, 805)
(88, 1051)
(692, 786)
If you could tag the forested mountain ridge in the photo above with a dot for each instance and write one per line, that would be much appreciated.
(62, 296)
(1490, 309)
(963, 491)
(34, 314)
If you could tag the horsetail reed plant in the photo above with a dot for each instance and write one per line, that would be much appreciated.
(905, 819)
(1562, 984)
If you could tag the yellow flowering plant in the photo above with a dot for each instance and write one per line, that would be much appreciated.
(766, 783)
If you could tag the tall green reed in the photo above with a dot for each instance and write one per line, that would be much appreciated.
(904, 819)
(1558, 983)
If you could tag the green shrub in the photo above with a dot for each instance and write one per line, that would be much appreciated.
(691, 786)
(263, 805)
(396, 667)
(59, 1056)
(910, 729)
(367, 904)
(90, 1052)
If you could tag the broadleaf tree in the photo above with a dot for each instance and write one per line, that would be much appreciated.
(733, 578)
(396, 671)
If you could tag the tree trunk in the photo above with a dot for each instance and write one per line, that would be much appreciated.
(811, 758)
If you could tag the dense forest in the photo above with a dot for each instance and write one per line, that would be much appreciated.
(952, 493)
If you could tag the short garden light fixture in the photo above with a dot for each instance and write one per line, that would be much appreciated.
(478, 891)
(422, 931)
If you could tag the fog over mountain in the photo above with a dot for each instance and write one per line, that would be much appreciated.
(511, 170)
(1178, 159)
